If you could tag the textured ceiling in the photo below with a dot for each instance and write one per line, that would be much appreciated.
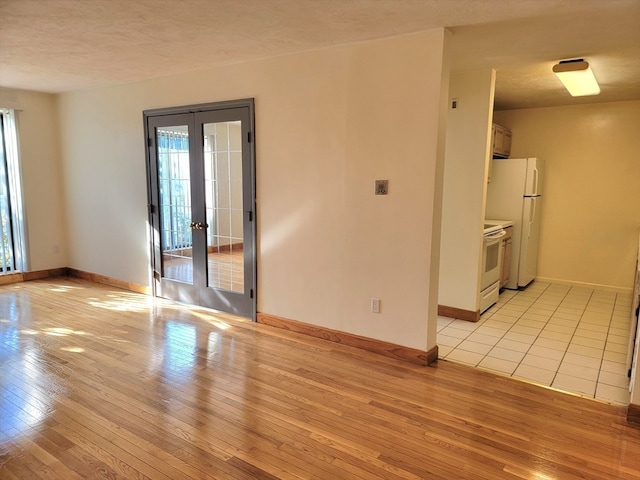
(63, 45)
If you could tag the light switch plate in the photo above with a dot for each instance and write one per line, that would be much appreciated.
(382, 187)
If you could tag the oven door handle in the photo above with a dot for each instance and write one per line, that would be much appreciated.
(493, 238)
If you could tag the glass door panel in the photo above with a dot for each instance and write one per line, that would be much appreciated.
(224, 205)
(174, 181)
(227, 166)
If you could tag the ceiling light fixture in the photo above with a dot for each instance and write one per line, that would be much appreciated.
(577, 77)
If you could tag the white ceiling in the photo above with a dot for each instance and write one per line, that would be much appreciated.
(64, 45)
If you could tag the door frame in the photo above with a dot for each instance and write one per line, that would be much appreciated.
(151, 173)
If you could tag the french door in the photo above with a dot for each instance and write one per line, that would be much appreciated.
(201, 189)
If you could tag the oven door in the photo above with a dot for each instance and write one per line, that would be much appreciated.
(491, 255)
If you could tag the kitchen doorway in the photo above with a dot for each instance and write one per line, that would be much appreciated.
(201, 193)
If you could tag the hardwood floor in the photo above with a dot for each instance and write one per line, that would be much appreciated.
(98, 382)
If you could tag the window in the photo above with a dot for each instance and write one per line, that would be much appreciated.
(12, 244)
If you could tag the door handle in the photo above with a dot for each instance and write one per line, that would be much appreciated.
(198, 226)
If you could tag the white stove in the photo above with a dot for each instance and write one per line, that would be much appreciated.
(491, 264)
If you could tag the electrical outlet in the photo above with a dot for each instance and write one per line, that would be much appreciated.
(375, 305)
(382, 187)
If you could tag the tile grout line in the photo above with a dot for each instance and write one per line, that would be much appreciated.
(517, 320)
(606, 341)
(572, 337)
(538, 336)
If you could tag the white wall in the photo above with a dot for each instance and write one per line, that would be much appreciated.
(465, 174)
(41, 177)
(591, 215)
(328, 123)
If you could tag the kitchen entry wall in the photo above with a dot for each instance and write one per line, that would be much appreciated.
(589, 231)
(464, 189)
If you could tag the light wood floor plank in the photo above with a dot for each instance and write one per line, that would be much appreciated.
(97, 382)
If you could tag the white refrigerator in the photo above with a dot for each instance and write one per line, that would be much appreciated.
(515, 193)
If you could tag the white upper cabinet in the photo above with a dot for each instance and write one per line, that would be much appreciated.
(501, 141)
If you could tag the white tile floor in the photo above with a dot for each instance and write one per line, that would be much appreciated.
(573, 339)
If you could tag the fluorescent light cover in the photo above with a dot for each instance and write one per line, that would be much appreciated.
(577, 77)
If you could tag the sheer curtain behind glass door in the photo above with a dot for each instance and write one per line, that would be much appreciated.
(12, 241)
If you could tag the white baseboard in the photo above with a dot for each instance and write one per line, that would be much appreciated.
(609, 288)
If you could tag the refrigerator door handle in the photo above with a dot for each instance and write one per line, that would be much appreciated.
(532, 214)
(535, 182)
